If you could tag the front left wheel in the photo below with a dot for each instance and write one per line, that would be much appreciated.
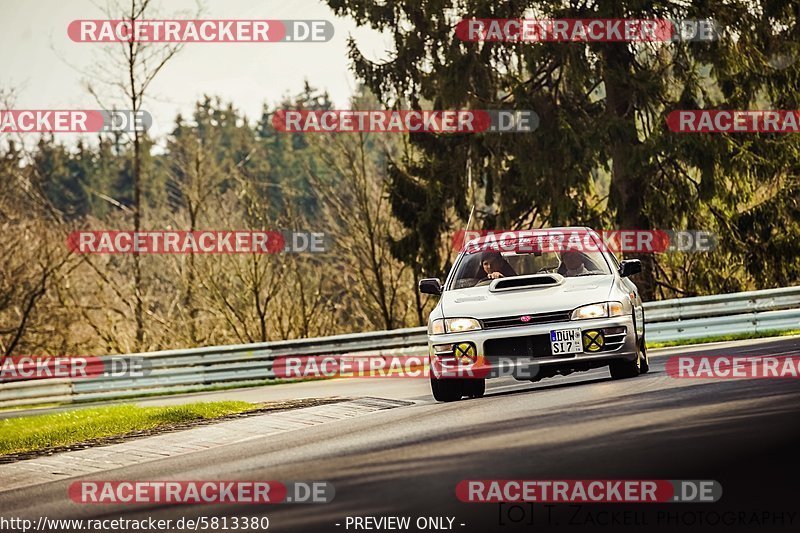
(623, 369)
(645, 360)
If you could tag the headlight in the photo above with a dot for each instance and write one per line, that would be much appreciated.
(436, 327)
(457, 325)
(615, 309)
(603, 310)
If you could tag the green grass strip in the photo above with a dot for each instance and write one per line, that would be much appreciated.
(38, 432)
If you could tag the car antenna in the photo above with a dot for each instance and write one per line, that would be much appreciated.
(469, 220)
(469, 224)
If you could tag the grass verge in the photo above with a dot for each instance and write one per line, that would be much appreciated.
(723, 338)
(31, 433)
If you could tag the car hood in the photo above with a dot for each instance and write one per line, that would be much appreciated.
(480, 302)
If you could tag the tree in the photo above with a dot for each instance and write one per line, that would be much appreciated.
(200, 162)
(287, 157)
(32, 239)
(353, 194)
(602, 108)
(127, 72)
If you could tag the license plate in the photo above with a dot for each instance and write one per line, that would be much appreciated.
(565, 341)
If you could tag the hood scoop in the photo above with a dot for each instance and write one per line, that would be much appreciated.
(526, 282)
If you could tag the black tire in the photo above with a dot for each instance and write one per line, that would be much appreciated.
(447, 390)
(645, 366)
(475, 388)
(623, 369)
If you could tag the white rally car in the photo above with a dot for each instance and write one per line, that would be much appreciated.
(519, 308)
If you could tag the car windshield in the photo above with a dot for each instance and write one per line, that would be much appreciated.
(482, 267)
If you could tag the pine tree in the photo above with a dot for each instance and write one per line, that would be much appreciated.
(602, 109)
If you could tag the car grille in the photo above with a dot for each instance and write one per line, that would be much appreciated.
(527, 346)
(538, 346)
(511, 321)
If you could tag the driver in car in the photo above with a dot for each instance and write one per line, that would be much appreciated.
(573, 261)
(495, 266)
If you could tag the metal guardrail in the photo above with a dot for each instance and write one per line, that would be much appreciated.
(251, 364)
(723, 304)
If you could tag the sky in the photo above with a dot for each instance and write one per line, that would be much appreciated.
(48, 71)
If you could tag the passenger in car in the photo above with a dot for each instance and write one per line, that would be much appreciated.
(572, 264)
(495, 266)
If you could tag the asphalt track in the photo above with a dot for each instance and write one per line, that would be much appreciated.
(744, 433)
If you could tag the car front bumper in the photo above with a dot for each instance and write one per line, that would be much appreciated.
(522, 350)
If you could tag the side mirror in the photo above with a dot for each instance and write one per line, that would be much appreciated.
(430, 286)
(629, 267)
